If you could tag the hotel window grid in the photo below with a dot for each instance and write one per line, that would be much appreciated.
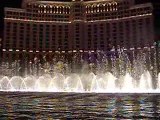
(88, 25)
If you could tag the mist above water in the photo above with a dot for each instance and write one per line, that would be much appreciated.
(117, 71)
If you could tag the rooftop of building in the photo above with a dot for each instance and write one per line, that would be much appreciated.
(68, 1)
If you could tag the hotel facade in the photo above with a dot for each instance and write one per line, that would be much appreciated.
(48, 27)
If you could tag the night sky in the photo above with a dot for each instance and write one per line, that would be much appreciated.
(17, 4)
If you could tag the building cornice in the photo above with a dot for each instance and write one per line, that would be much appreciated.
(91, 21)
(142, 5)
(14, 9)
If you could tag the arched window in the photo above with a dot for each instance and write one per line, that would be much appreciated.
(39, 9)
(86, 9)
(50, 8)
(47, 9)
(68, 9)
(109, 7)
(106, 7)
(97, 8)
(44, 6)
(89, 9)
(60, 9)
(63, 9)
(100, 8)
(54, 9)
(92, 9)
(57, 9)
(114, 6)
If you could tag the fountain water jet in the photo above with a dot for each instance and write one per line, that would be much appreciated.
(111, 82)
(5, 83)
(158, 85)
(113, 72)
(94, 84)
(145, 81)
(106, 82)
(128, 83)
(30, 82)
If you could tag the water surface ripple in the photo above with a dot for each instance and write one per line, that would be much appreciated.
(48, 106)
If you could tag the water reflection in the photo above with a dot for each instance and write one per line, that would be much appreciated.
(79, 106)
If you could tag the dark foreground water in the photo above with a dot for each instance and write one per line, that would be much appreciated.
(49, 106)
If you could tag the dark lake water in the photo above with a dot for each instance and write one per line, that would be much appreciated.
(92, 106)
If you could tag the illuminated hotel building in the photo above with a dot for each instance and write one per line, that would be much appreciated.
(44, 27)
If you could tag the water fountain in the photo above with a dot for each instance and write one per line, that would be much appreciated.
(112, 72)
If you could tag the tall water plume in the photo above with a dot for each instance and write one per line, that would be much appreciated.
(99, 71)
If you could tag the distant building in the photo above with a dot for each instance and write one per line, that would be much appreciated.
(46, 27)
